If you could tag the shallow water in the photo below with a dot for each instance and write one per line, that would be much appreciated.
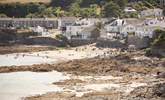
(14, 86)
(47, 57)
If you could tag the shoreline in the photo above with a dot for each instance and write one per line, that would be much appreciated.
(24, 49)
(137, 72)
(93, 66)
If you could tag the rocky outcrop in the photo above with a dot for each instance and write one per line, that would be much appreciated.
(158, 45)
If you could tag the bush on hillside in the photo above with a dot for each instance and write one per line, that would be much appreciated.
(61, 37)
(158, 44)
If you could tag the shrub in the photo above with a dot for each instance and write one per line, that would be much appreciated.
(61, 37)
(148, 51)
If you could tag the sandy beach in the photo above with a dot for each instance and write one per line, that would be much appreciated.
(50, 57)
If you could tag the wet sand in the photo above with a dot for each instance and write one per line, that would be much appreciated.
(127, 87)
(16, 85)
(50, 57)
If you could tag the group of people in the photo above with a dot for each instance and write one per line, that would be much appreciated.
(23, 55)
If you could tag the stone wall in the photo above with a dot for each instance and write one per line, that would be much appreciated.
(44, 41)
(139, 43)
(79, 42)
(110, 43)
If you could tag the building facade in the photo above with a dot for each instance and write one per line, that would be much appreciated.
(122, 28)
(81, 29)
(162, 2)
(65, 21)
(152, 12)
(28, 22)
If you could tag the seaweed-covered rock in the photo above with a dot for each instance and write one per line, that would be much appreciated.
(160, 90)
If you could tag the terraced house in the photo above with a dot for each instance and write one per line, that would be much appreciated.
(28, 22)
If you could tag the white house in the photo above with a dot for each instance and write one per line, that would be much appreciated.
(87, 21)
(87, 32)
(152, 12)
(81, 29)
(148, 27)
(74, 30)
(112, 29)
(144, 31)
(128, 28)
(151, 22)
(154, 22)
(114, 26)
(118, 28)
(66, 21)
(138, 32)
(79, 32)
(122, 27)
(40, 30)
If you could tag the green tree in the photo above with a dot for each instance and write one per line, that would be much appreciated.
(30, 15)
(89, 12)
(41, 8)
(157, 45)
(75, 9)
(57, 11)
(158, 37)
(152, 2)
(121, 3)
(112, 10)
(94, 9)
(62, 37)
(48, 12)
(133, 15)
(87, 3)
(3, 16)
(62, 3)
